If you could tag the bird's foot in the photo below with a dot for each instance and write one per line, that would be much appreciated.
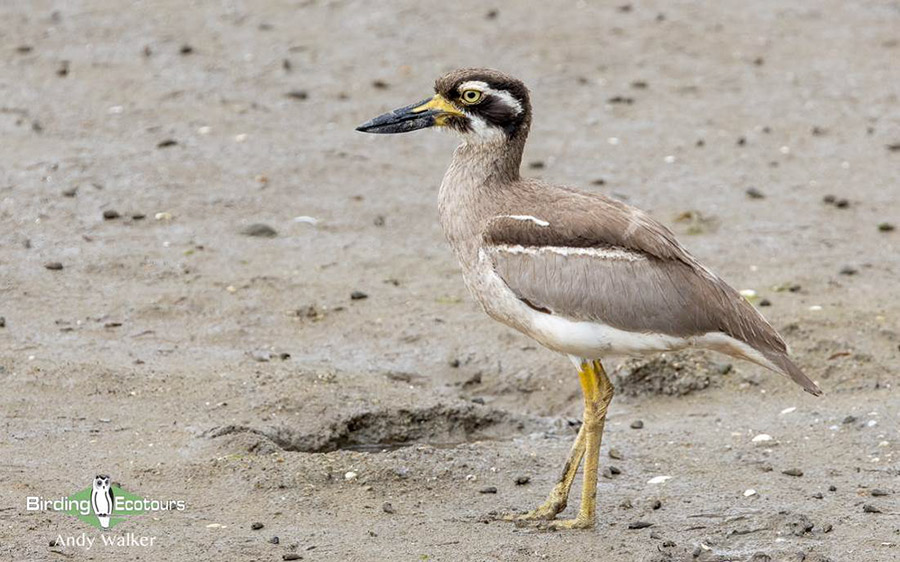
(545, 512)
(577, 523)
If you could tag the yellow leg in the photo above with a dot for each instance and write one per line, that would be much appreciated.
(559, 496)
(598, 392)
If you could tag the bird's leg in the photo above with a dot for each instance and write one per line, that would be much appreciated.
(598, 392)
(559, 496)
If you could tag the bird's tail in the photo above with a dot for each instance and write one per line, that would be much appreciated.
(785, 366)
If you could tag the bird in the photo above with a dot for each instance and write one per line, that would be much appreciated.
(102, 499)
(583, 274)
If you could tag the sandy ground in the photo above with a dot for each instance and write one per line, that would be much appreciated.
(188, 360)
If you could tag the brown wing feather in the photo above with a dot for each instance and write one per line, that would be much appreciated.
(663, 290)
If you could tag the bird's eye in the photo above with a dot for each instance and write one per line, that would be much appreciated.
(471, 97)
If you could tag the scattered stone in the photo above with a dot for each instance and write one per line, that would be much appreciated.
(886, 227)
(262, 356)
(849, 419)
(292, 556)
(615, 454)
(832, 488)
(615, 470)
(71, 192)
(659, 479)
(625, 100)
(742, 141)
(350, 475)
(256, 526)
(110, 214)
(762, 438)
(894, 147)
(297, 95)
(274, 540)
(655, 504)
(829, 199)
(818, 495)
(53, 265)
(387, 507)
(765, 302)
(380, 85)
(492, 14)
(842, 203)
(749, 492)
(818, 131)
(63, 69)
(877, 492)
(379, 220)
(640, 85)
(259, 230)
(869, 508)
(358, 295)
(849, 270)
(186, 49)
(797, 524)
(754, 193)
(138, 216)
(24, 49)
(637, 424)
(2, 321)
(488, 490)
(536, 165)
(626, 504)
(639, 524)
(522, 480)
(760, 557)
(166, 143)
(793, 472)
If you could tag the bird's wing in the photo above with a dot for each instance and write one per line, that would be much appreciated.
(587, 257)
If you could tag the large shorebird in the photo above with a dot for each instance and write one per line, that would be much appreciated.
(582, 274)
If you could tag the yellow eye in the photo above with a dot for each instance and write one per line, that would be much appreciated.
(471, 97)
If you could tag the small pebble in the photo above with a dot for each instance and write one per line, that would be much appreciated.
(615, 470)
(886, 227)
(793, 472)
(297, 94)
(380, 85)
(754, 193)
(536, 165)
(655, 504)
(615, 454)
(637, 424)
(53, 265)
(71, 192)
(259, 230)
(358, 295)
(832, 488)
(639, 524)
(110, 214)
(488, 490)
(186, 49)
(765, 302)
(842, 203)
(256, 526)
(749, 492)
(849, 419)
(849, 270)
(877, 492)
(829, 199)
(292, 556)
(869, 508)
(350, 475)
(818, 495)
(522, 480)
(166, 143)
(274, 540)
(387, 507)
(2, 321)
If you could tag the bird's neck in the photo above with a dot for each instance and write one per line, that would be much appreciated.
(474, 189)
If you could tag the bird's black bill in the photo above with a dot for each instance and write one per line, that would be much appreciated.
(410, 118)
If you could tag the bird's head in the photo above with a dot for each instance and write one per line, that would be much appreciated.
(482, 105)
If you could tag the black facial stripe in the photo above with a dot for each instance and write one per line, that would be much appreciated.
(498, 113)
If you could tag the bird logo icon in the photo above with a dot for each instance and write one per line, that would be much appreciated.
(102, 499)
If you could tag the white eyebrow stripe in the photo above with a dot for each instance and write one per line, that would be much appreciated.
(483, 87)
(535, 220)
